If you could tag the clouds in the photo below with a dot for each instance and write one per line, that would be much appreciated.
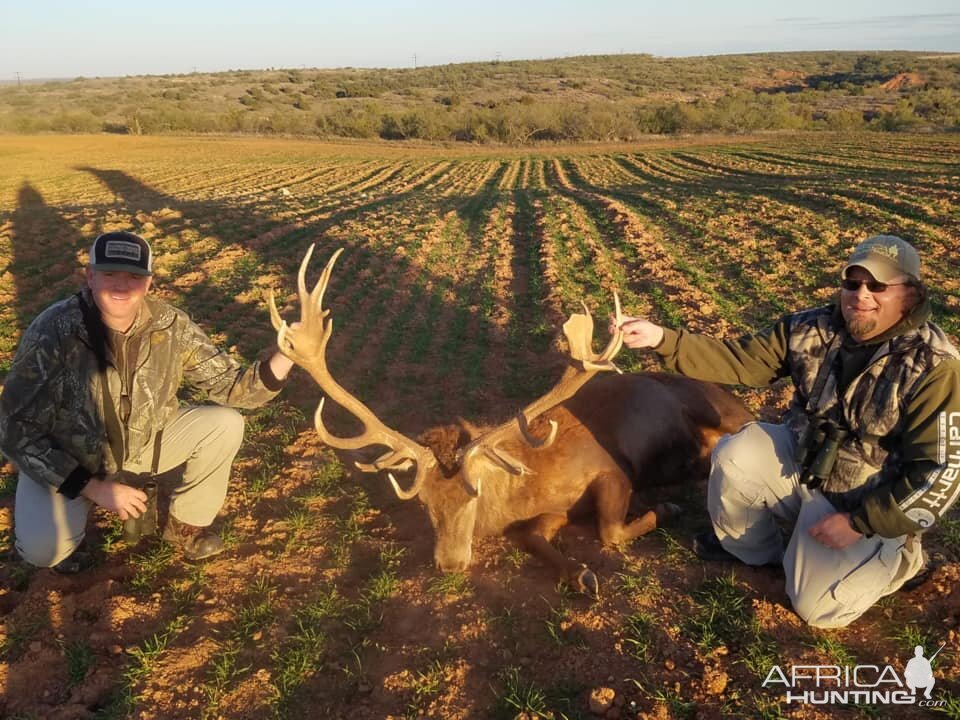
(942, 22)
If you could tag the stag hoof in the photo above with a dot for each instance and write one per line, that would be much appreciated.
(587, 583)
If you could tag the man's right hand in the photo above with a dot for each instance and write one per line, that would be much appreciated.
(124, 500)
(638, 333)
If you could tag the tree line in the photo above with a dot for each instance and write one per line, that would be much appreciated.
(601, 98)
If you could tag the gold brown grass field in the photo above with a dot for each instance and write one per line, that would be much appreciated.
(460, 266)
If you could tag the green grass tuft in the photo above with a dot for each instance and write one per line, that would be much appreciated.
(454, 584)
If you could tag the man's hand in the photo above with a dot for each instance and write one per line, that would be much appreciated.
(124, 500)
(638, 333)
(280, 364)
(835, 531)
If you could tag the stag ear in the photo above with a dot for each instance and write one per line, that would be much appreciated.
(472, 431)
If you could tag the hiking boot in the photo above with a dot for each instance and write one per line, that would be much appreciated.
(706, 546)
(77, 561)
(930, 563)
(196, 543)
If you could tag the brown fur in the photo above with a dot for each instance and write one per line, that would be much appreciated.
(618, 434)
(444, 441)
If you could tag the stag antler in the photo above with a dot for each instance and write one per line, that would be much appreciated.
(585, 364)
(306, 344)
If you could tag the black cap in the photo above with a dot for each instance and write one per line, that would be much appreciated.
(121, 251)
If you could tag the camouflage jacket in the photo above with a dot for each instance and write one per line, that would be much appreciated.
(899, 469)
(52, 418)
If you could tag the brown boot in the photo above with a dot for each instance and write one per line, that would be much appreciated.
(196, 543)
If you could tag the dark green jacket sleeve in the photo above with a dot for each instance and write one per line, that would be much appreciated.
(929, 481)
(756, 360)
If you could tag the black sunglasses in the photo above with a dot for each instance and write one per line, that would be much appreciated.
(874, 286)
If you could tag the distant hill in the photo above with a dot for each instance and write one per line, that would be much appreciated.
(589, 98)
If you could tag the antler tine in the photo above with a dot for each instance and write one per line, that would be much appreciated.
(390, 460)
(275, 318)
(306, 343)
(604, 361)
(414, 487)
(585, 364)
(278, 323)
(316, 296)
(531, 439)
(302, 281)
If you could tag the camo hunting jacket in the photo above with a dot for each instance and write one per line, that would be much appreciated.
(898, 471)
(871, 406)
(52, 414)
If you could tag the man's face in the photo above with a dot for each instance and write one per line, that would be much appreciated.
(870, 314)
(119, 295)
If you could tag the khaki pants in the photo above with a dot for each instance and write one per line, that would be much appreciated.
(754, 481)
(49, 526)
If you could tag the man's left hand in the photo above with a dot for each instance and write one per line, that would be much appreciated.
(835, 531)
(280, 364)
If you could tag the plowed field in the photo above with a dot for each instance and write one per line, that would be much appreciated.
(460, 266)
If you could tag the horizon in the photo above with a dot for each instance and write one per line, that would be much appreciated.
(67, 78)
(106, 39)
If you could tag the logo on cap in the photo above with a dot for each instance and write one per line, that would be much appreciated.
(891, 251)
(122, 249)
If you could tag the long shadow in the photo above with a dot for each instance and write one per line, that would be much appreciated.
(212, 301)
(47, 243)
(800, 191)
(44, 248)
(128, 189)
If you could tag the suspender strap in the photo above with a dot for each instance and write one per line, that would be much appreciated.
(155, 464)
(98, 340)
(114, 431)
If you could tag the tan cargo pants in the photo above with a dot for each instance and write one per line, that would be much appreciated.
(49, 526)
(754, 481)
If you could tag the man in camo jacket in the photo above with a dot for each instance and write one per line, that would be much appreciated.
(93, 391)
(868, 454)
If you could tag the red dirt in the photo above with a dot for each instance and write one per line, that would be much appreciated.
(903, 80)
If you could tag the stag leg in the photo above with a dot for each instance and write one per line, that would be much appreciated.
(535, 537)
(611, 494)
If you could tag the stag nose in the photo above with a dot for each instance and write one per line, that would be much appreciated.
(452, 564)
(447, 567)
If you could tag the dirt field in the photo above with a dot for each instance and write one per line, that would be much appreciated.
(459, 269)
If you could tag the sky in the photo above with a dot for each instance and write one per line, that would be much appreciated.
(89, 38)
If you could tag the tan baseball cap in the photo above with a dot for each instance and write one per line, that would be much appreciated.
(886, 257)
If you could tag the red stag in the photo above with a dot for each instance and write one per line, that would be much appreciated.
(600, 440)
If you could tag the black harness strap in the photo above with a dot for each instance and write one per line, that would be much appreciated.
(155, 463)
(98, 341)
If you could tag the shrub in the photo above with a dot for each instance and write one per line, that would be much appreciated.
(901, 117)
(846, 119)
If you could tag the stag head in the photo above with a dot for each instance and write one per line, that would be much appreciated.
(451, 491)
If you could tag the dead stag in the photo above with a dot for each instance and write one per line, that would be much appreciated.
(602, 440)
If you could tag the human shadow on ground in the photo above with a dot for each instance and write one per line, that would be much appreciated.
(143, 205)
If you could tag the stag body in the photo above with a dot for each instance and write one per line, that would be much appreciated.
(582, 447)
(618, 435)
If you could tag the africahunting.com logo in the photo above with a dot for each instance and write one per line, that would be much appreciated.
(866, 684)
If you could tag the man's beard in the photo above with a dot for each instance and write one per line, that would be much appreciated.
(861, 327)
